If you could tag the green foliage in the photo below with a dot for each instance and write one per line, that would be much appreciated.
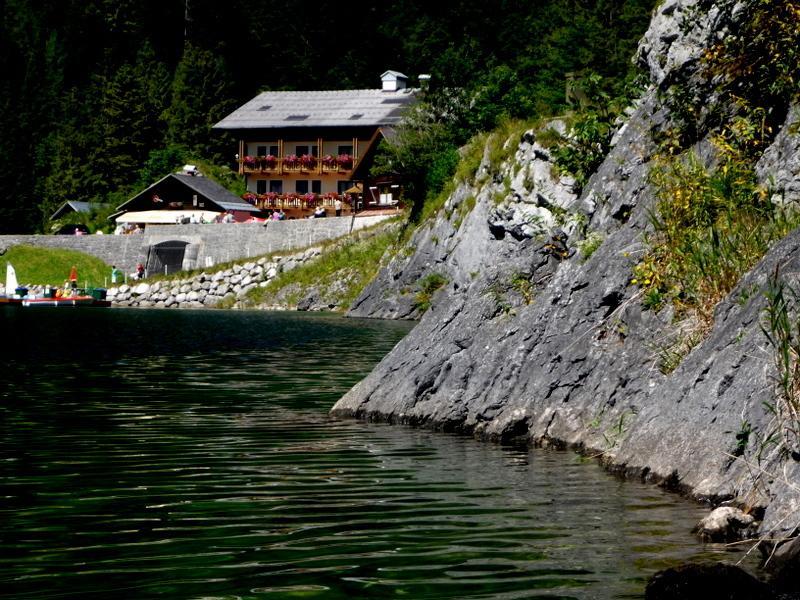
(713, 223)
(588, 139)
(711, 226)
(81, 113)
(584, 147)
(341, 273)
(522, 283)
(424, 153)
(590, 243)
(52, 266)
(464, 209)
(97, 219)
(762, 59)
(132, 102)
(427, 287)
(201, 96)
(781, 327)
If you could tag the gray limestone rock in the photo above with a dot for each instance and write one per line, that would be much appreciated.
(726, 524)
(521, 344)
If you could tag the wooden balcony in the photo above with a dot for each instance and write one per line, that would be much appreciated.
(280, 166)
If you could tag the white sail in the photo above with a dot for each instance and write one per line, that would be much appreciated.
(11, 280)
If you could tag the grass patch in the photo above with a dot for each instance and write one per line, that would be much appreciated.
(428, 286)
(464, 209)
(590, 244)
(711, 226)
(780, 325)
(504, 141)
(43, 266)
(340, 274)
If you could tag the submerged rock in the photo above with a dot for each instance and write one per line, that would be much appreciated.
(707, 582)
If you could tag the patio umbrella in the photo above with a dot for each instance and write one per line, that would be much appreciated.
(356, 189)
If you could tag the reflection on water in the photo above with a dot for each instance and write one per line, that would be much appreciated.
(189, 455)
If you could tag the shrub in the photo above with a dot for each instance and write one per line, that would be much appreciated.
(428, 286)
(781, 327)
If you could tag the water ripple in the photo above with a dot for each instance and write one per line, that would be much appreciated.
(191, 456)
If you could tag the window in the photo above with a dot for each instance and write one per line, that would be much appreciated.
(273, 150)
(316, 186)
(306, 149)
(261, 186)
(276, 185)
(346, 150)
(301, 186)
(342, 185)
(261, 150)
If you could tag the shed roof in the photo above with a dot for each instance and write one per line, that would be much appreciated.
(337, 108)
(203, 186)
(78, 206)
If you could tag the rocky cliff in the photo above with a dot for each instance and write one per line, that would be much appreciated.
(539, 338)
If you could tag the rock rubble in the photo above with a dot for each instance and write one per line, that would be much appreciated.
(228, 287)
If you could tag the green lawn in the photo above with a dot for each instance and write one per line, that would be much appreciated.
(51, 266)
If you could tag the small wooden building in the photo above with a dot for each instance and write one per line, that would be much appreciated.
(185, 193)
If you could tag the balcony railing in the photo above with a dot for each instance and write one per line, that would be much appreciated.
(343, 163)
(308, 201)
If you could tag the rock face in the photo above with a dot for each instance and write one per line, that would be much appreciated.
(524, 343)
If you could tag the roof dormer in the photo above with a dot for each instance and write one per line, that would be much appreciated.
(393, 81)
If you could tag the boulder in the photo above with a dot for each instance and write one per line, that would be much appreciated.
(706, 582)
(726, 524)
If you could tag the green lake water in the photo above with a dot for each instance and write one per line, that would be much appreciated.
(189, 454)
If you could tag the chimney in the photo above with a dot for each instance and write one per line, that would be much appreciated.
(393, 81)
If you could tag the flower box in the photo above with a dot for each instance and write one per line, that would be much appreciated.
(329, 162)
(345, 161)
(292, 161)
(308, 161)
(268, 162)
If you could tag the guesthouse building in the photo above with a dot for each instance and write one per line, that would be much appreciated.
(299, 150)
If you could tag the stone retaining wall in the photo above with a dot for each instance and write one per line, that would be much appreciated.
(207, 290)
(208, 244)
(123, 251)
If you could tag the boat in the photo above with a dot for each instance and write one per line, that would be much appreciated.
(95, 297)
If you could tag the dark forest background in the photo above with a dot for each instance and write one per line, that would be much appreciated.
(98, 98)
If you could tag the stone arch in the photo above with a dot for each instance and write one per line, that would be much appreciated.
(166, 257)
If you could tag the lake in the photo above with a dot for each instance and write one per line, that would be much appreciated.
(189, 454)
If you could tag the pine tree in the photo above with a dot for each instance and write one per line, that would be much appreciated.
(201, 96)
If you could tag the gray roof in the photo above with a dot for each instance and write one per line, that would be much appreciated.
(214, 192)
(75, 205)
(204, 186)
(394, 74)
(340, 108)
